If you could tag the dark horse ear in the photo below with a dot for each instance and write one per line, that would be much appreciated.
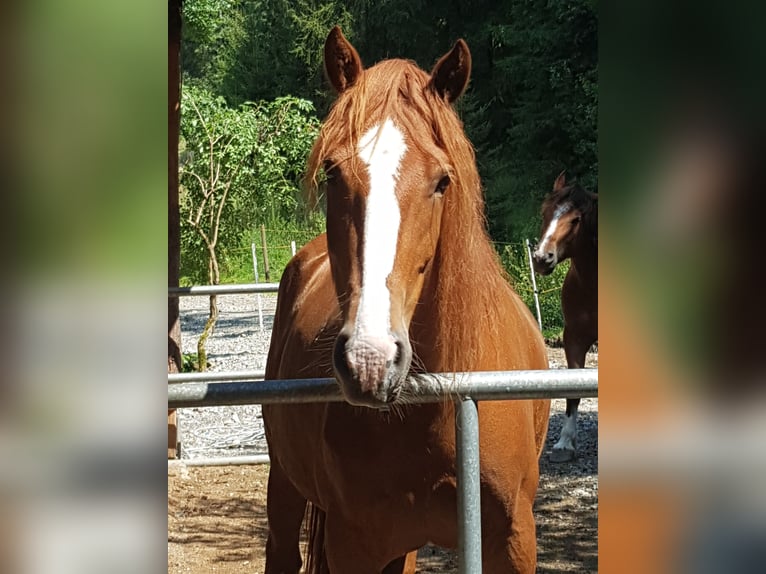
(450, 75)
(561, 182)
(341, 61)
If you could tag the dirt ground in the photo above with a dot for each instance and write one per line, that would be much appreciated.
(217, 515)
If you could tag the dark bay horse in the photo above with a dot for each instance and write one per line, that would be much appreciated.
(570, 231)
(405, 280)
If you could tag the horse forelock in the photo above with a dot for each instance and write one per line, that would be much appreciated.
(399, 90)
(575, 195)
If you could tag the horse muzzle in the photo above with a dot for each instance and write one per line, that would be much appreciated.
(371, 370)
(544, 263)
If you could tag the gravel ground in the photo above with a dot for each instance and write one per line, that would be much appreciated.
(238, 343)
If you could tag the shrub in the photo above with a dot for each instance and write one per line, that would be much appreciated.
(516, 263)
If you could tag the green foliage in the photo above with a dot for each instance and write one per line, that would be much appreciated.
(516, 263)
(311, 21)
(238, 264)
(190, 363)
(251, 50)
(539, 80)
(255, 153)
(214, 32)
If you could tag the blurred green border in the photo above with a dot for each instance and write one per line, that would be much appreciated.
(92, 132)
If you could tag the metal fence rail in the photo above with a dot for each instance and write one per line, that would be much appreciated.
(223, 289)
(215, 376)
(480, 386)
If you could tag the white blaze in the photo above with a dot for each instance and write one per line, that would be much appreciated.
(381, 149)
(561, 210)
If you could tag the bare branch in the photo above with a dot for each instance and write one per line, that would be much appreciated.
(200, 231)
(199, 115)
(223, 198)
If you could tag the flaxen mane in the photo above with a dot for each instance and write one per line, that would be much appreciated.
(400, 90)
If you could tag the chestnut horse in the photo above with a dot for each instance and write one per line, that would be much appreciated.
(570, 231)
(405, 280)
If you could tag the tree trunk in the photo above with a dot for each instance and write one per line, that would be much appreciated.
(206, 332)
(214, 276)
(266, 271)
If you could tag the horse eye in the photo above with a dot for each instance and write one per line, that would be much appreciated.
(575, 221)
(442, 185)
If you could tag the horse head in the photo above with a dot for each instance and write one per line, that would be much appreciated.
(388, 172)
(566, 211)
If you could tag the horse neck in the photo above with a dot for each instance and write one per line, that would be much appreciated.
(585, 253)
(458, 307)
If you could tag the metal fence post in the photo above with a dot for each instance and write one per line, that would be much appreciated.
(534, 285)
(468, 486)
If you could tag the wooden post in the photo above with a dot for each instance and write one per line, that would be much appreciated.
(266, 271)
(174, 217)
(255, 271)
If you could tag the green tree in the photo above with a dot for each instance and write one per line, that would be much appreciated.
(239, 166)
(540, 76)
(214, 33)
(251, 50)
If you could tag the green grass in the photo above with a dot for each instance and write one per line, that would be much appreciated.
(237, 265)
(514, 259)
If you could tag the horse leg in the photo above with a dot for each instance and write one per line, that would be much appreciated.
(510, 550)
(565, 449)
(285, 508)
(348, 550)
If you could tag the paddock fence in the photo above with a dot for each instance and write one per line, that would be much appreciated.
(465, 389)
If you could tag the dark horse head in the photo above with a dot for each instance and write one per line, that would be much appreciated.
(570, 221)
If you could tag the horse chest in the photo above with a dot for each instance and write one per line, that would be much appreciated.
(394, 459)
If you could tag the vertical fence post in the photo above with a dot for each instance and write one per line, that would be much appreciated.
(534, 285)
(292, 247)
(468, 486)
(266, 271)
(255, 271)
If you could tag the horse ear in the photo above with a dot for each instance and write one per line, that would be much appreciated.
(341, 61)
(561, 181)
(450, 75)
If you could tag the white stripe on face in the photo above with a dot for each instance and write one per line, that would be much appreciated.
(561, 210)
(381, 149)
